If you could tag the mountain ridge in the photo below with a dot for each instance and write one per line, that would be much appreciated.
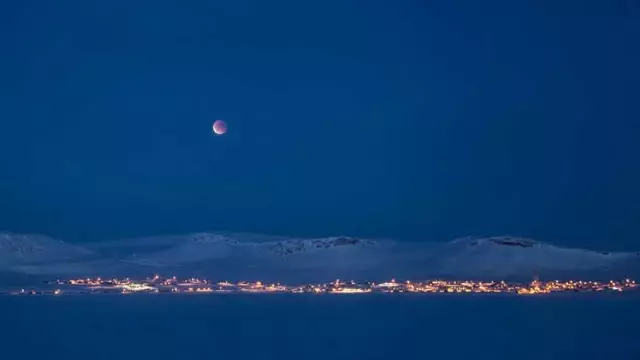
(341, 256)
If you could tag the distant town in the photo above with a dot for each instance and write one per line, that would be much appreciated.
(158, 284)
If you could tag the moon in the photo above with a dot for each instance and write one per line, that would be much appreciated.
(219, 127)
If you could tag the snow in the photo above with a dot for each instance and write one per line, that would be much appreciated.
(257, 256)
(29, 248)
(512, 256)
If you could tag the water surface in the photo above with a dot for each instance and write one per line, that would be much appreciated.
(286, 326)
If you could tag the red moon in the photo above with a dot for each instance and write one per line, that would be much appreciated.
(219, 127)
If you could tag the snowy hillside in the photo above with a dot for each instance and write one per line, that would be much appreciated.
(27, 248)
(510, 256)
(188, 249)
(251, 256)
(292, 254)
(154, 247)
(495, 257)
(296, 246)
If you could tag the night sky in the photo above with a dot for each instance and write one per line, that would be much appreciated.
(417, 120)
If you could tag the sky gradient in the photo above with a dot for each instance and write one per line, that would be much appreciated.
(418, 120)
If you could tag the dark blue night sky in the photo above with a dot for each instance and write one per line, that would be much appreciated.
(419, 120)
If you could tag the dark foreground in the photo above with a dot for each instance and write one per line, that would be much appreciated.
(285, 326)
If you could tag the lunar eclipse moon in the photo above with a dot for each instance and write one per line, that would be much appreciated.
(219, 127)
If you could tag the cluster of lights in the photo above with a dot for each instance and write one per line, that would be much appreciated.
(196, 285)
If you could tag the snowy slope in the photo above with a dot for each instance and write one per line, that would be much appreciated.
(293, 253)
(497, 257)
(250, 256)
(215, 255)
(154, 246)
(511, 256)
(188, 249)
(28, 248)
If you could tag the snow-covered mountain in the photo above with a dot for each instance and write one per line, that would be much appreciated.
(28, 248)
(251, 256)
(509, 256)
(199, 247)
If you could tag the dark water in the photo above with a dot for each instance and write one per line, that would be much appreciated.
(385, 326)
